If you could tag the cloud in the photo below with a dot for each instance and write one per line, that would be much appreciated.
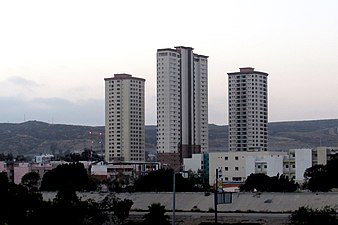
(52, 110)
(21, 81)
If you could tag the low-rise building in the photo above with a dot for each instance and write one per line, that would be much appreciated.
(234, 167)
(99, 171)
(3, 166)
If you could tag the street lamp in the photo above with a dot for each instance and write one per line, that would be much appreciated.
(218, 174)
(174, 193)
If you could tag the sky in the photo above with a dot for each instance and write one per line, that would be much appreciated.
(54, 55)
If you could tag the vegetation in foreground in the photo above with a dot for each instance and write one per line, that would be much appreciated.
(322, 177)
(308, 216)
(20, 206)
(263, 183)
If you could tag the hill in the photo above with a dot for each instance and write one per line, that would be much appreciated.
(34, 137)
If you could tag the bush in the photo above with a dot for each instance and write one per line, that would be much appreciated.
(308, 216)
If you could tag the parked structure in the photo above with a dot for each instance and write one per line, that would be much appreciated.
(124, 118)
(182, 105)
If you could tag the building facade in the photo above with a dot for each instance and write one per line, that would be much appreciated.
(182, 105)
(124, 118)
(248, 110)
(234, 166)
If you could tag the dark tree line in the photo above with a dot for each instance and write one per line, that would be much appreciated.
(308, 216)
(264, 183)
(162, 181)
(322, 177)
(20, 206)
(71, 176)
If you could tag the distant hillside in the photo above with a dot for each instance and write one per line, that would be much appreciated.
(36, 137)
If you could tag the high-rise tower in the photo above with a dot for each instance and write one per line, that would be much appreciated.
(182, 105)
(124, 118)
(248, 110)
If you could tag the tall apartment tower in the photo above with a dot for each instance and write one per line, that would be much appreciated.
(124, 118)
(182, 105)
(248, 110)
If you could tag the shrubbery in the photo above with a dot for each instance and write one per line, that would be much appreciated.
(263, 183)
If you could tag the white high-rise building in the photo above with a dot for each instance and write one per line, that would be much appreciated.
(182, 105)
(248, 110)
(124, 118)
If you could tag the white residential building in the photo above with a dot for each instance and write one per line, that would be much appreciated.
(195, 163)
(296, 162)
(248, 110)
(124, 118)
(235, 167)
(182, 105)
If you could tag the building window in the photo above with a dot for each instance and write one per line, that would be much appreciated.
(236, 168)
(226, 168)
(225, 157)
(236, 157)
(237, 179)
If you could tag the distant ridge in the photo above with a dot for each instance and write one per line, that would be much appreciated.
(36, 137)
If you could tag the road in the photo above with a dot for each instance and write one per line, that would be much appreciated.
(194, 218)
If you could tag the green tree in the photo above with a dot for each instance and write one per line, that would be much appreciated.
(264, 183)
(68, 176)
(317, 178)
(122, 208)
(162, 180)
(31, 181)
(308, 216)
(256, 181)
(17, 204)
(116, 210)
(156, 215)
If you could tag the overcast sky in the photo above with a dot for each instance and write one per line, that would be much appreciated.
(54, 55)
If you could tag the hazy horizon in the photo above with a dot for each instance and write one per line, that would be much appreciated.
(72, 124)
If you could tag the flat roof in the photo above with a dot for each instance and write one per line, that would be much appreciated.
(247, 70)
(123, 76)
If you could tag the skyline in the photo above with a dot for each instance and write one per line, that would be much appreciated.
(55, 56)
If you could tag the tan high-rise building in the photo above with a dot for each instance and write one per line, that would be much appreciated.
(182, 105)
(124, 118)
(248, 110)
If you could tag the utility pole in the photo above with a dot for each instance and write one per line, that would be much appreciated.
(174, 193)
(215, 196)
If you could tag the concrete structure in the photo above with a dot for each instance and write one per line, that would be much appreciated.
(99, 171)
(234, 167)
(182, 105)
(242, 202)
(3, 166)
(194, 163)
(19, 170)
(41, 168)
(296, 162)
(248, 110)
(44, 158)
(131, 169)
(124, 118)
(321, 155)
